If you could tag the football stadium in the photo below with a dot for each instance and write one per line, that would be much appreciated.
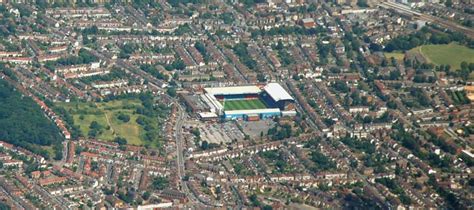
(251, 102)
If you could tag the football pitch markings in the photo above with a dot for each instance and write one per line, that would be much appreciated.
(243, 104)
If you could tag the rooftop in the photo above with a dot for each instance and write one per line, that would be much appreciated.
(277, 92)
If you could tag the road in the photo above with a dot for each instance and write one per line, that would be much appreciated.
(181, 170)
(179, 143)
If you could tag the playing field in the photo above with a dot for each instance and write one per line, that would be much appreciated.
(243, 104)
(452, 54)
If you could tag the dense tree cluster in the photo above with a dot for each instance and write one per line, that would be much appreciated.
(127, 49)
(160, 183)
(451, 198)
(395, 188)
(244, 56)
(250, 3)
(140, 4)
(95, 129)
(178, 64)
(202, 49)
(7, 22)
(183, 29)
(280, 132)
(414, 144)
(321, 162)
(120, 141)
(425, 36)
(23, 123)
(175, 3)
(206, 145)
(459, 97)
(84, 57)
(359, 144)
(289, 30)
(153, 71)
(151, 113)
(227, 17)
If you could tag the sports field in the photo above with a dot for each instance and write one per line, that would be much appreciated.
(452, 54)
(243, 104)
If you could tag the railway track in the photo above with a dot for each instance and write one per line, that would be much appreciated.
(429, 18)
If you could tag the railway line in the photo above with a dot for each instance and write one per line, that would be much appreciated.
(428, 18)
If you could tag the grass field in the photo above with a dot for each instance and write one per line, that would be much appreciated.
(105, 114)
(243, 104)
(452, 54)
(397, 55)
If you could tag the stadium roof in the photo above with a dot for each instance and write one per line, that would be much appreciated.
(233, 90)
(252, 111)
(277, 92)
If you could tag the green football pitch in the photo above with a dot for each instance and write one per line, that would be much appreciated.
(243, 104)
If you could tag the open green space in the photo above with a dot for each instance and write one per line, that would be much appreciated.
(446, 54)
(106, 115)
(397, 55)
(243, 104)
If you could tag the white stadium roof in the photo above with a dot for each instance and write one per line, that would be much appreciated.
(277, 92)
(252, 111)
(233, 90)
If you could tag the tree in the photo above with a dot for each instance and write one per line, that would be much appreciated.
(204, 145)
(58, 151)
(146, 195)
(196, 132)
(227, 17)
(171, 91)
(254, 199)
(375, 47)
(89, 203)
(141, 120)
(160, 183)
(120, 140)
(124, 117)
(448, 3)
(267, 207)
(95, 125)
